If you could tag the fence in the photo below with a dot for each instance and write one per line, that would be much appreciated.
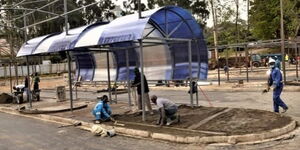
(41, 69)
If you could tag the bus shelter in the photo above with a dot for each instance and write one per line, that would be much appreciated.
(165, 43)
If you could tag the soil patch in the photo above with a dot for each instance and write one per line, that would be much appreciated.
(244, 121)
(188, 116)
(234, 122)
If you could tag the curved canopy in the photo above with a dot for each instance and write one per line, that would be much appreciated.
(170, 22)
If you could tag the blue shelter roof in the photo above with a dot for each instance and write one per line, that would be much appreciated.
(170, 21)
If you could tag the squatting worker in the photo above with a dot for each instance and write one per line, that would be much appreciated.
(102, 110)
(167, 111)
(137, 82)
(275, 80)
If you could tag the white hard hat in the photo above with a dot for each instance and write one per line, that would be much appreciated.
(271, 60)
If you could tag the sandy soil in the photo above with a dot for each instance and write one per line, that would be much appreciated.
(243, 121)
(234, 122)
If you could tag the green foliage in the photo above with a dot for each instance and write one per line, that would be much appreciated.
(227, 33)
(99, 12)
(198, 8)
(55, 59)
(265, 18)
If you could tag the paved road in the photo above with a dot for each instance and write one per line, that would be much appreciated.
(18, 133)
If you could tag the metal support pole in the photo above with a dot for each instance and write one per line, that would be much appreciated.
(70, 80)
(29, 91)
(128, 79)
(282, 41)
(40, 61)
(69, 58)
(297, 75)
(10, 78)
(247, 63)
(197, 96)
(215, 39)
(76, 92)
(16, 71)
(219, 78)
(190, 72)
(142, 80)
(108, 76)
(227, 65)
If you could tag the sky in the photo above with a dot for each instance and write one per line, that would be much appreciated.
(242, 10)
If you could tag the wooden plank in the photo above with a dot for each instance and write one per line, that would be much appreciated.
(174, 128)
(195, 126)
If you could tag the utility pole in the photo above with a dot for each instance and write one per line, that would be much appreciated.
(236, 31)
(215, 39)
(282, 41)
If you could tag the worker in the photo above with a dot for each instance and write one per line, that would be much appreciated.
(137, 82)
(275, 80)
(286, 57)
(226, 69)
(36, 82)
(167, 111)
(36, 90)
(102, 110)
(277, 63)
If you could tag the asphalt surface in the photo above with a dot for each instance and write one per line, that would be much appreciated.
(19, 133)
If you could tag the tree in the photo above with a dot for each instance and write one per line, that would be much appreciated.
(198, 8)
(228, 24)
(265, 18)
(95, 13)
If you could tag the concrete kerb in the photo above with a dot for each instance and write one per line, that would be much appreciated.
(234, 139)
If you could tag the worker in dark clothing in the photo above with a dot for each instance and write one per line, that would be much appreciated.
(36, 89)
(137, 82)
(36, 82)
(275, 80)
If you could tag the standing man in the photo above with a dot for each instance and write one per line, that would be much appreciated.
(167, 111)
(36, 88)
(102, 110)
(36, 82)
(137, 82)
(275, 80)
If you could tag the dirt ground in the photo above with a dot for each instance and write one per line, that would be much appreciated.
(243, 121)
(189, 116)
(234, 122)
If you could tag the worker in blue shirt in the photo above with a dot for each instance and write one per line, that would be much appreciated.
(102, 110)
(275, 80)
